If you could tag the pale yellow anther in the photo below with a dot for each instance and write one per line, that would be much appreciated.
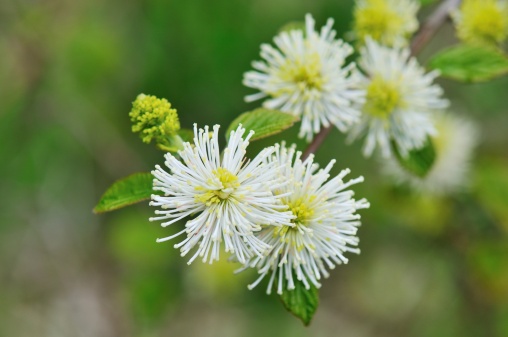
(382, 98)
(305, 72)
(301, 210)
(229, 183)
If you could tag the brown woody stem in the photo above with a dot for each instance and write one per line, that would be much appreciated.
(432, 25)
(316, 142)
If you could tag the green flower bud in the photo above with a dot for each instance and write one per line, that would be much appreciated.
(153, 118)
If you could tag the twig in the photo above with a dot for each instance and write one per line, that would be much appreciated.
(428, 30)
(316, 142)
(432, 25)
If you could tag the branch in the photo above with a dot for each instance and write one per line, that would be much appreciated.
(432, 25)
(316, 142)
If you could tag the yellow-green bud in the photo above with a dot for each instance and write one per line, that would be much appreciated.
(153, 118)
(482, 21)
(389, 22)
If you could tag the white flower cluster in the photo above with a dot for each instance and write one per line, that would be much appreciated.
(322, 230)
(306, 75)
(278, 212)
(389, 99)
(274, 212)
(401, 98)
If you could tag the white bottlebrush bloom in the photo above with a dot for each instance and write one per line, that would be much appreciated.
(305, 74)
(323, 230)
(227, 196)
(389, 22)
(454, 145)
(400, 100)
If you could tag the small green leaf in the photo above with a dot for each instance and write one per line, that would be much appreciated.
(301, 302)
(130, 190)
(470, 63)
(418, 161)
(490, 183)
(264, 122)
(293, 25)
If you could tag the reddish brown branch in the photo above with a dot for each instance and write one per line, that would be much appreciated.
(316, 142)
(432, 25)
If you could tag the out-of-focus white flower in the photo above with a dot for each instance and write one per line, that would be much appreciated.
(454, 145)
(229, 197)
(482, 21)
(389, 22)
(322, 231)
(306, 75)
(400, 100)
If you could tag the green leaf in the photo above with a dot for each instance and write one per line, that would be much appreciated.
(130, 190)
(264, 122)
(470, 63)
(418, 161)
(490, 182)
(301, 302)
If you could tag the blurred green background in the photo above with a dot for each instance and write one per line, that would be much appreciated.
(69, 71)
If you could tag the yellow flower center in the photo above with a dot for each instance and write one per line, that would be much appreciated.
(304, 71)
(382, 98)
(378, 21)
(483, 21)
(301, 210)
(229, 183)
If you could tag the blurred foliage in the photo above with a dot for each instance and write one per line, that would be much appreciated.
(491, 187)
(68, 74)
